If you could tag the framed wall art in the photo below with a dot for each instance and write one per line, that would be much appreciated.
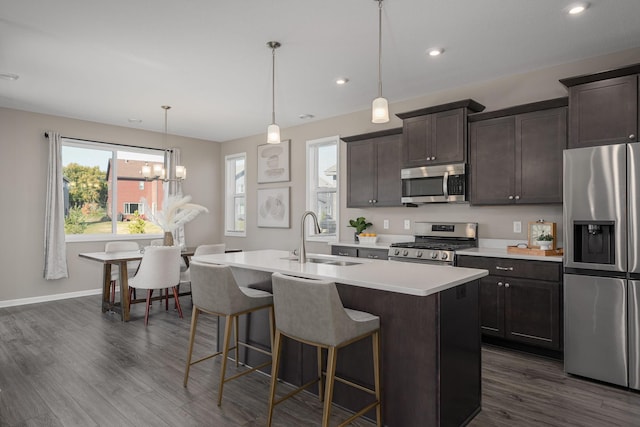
(273, 162)
(273, 207)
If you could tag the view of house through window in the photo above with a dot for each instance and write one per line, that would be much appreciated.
(235, 216)
(104, 191)
(322, 184)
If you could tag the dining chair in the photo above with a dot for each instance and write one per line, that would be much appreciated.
(132, 266)
(217, 248)
(159, 269)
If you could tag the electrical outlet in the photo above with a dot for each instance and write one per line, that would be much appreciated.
(517, 226)
(407, 224)
(385, 224)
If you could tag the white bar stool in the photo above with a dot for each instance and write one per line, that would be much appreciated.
(214, 290)
(311, 312)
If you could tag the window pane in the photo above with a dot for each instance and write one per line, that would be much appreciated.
(235, 217)
(239, 215)
(326, 204)
(239, 176)
(322, 184)
(327, 166)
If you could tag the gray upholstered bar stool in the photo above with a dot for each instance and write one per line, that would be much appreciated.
(310, 311)
(215, 291)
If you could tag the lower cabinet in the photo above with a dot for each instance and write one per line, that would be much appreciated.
(360, 252)
(520, 300)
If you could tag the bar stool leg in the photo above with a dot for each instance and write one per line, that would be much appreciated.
(192, 336)
(225, 354)
(275, 367)
(320, 390)
(237, 328)
(375, 338)
(328, 395)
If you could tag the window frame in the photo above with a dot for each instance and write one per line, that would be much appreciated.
(312, 177)
(113, 148)
(230, 195)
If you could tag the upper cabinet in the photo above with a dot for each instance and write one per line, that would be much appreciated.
(373, 169)
(436, 135)
(603, 107)
(516, 154)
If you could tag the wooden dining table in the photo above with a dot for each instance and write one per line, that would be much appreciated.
(120, 258)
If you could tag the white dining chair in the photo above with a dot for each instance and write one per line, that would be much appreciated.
(216, 248)
(159, 269)
(132, 266)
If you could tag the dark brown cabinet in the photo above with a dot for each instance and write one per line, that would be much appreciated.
(603, 107)
(520, 300)
(436, 135)
(373, 169)
(351, 251)
(516, 154)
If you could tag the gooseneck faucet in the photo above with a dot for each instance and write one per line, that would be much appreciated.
(302, 256)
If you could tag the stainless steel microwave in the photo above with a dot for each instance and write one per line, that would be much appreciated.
(434, 184)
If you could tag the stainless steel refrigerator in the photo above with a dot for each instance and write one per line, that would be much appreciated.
(602, 263)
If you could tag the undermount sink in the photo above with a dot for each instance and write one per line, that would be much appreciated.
(325, 261)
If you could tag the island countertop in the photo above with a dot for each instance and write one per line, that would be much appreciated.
(393, 276)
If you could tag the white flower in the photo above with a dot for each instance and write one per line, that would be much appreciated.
(176, 211)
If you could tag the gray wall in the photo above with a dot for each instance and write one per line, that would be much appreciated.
(23, 165)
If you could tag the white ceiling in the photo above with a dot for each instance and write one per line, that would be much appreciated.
(111, 60)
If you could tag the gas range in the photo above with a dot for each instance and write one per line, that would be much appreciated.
(436, 243)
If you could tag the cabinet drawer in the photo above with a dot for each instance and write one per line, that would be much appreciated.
(344, 251)
(373, 253)
(507, 267)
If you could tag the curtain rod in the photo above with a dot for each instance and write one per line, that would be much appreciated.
(46, 135)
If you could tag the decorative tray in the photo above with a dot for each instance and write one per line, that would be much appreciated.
(537, 252)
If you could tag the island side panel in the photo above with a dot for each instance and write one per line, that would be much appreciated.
(460, 354)
(409, 341)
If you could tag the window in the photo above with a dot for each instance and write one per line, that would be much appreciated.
(235, 198)
(322, 186)
(104, 191)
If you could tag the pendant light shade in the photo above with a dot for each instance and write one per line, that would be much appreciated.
(380, 106)
(273, 131)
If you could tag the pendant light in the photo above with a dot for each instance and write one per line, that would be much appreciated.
(157, 173)
(380, 106)
(273, 131)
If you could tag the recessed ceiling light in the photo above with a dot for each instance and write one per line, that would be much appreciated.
(577, 8)
(9, 76)
(133, 120)
(306, 116)
(436, 51)
(342, 81)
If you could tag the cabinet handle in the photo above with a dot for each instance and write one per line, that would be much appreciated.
(343, 253)
(506, 285)
(372, 256)
(510, 197)
(499, 283)
(375, 201)
(370, 201)
(632, 136)
(517, 197)
(433, 158)
(504, 268)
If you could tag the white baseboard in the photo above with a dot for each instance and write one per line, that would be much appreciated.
(46, 298)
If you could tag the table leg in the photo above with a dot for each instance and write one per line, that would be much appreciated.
(124, 291)
(106, 286)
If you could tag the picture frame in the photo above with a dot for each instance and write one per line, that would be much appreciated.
(273, 162)
(541, 227)
(273, 207)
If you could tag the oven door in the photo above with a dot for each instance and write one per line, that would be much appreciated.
(422, 261)
(434, 184)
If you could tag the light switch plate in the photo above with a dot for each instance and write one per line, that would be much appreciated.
(517, 226)
(385, 224)
(407, 224)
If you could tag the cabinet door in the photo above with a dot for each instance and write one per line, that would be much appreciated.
(373, 253)
(492, 163)
(448, 137)
(603, 112)
(388, 165)
(415, 147)
(492, 305)
(361, 162)
(532, 312)
(540, 138)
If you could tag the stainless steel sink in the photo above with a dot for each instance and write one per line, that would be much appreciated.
(325, 261)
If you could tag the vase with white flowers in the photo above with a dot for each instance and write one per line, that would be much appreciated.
(176, 211)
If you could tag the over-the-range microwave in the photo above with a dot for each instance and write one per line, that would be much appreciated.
(434, 184)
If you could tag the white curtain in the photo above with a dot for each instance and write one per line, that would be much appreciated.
(55, 251)
(175, 187)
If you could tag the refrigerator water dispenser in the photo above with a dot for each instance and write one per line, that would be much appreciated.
(594, 242)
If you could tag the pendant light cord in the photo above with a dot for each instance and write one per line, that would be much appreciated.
(379, 48)
(273, 85)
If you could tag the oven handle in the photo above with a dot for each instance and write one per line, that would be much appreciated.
(445, 189)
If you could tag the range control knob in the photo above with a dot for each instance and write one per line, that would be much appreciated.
(444, 255)
(419, 254)
(396, 252)
(405, 252)
(434, 255)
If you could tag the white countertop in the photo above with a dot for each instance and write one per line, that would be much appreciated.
(393, 276)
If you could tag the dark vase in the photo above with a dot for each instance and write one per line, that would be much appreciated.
(355, 237)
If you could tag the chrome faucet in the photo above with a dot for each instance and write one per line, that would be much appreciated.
(302, 255)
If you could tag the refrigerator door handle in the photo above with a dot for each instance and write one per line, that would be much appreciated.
(633, 331)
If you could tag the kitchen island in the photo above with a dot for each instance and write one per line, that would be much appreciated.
(430, 332)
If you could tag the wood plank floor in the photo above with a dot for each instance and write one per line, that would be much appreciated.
(64, 363)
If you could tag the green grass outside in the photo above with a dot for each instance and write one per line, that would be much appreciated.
(122, 227)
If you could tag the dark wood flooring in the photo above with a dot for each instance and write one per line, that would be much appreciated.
(64, 363)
